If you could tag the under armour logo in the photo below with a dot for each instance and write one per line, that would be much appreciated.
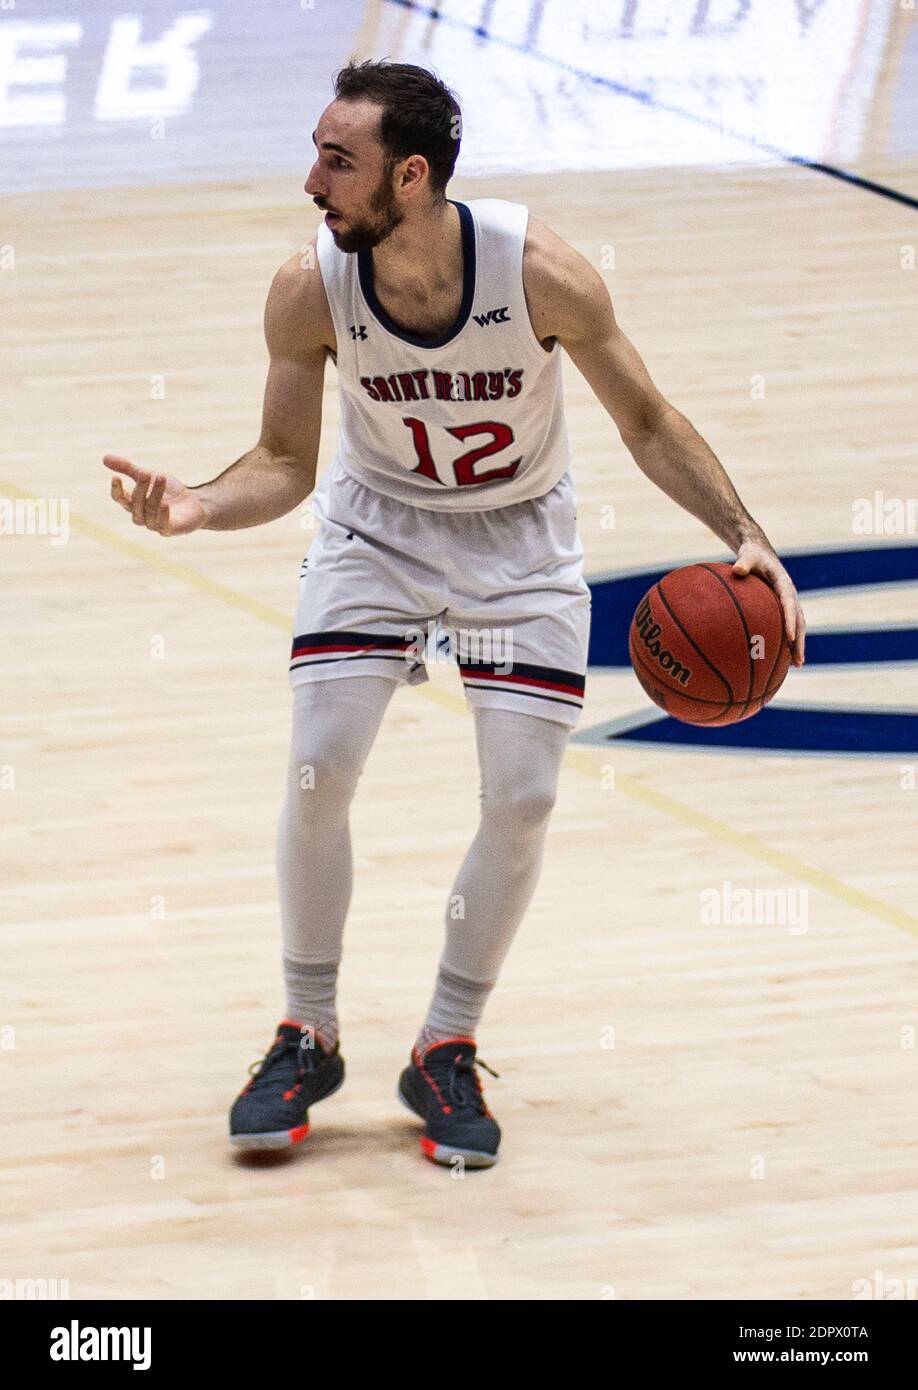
(492, 316)
(358, 330)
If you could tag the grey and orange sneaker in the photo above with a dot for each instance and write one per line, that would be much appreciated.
(272, 1110)
(441, 1086)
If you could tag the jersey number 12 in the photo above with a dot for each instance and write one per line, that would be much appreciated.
(464, 465)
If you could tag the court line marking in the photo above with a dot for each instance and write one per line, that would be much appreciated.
(781, 860)
(575, 756)
(184, 573)
(646, 99)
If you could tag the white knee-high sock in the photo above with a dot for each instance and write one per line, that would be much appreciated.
(519, 757)
(334, 725)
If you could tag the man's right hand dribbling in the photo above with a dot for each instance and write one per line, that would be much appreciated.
(160, 503)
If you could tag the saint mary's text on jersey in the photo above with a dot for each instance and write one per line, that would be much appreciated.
(425, 385)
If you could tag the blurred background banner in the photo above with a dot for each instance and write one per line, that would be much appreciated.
(724, 78)
(101, 92)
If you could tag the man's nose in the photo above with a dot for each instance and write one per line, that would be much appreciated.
(313, 184)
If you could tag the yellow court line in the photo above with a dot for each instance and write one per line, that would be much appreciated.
(750, 844)
(153, 560)
(587, 762)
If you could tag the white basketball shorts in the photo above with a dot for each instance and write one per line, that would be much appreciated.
(501, 591)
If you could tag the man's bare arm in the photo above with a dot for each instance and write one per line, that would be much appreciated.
(280, 471)
(568, 300)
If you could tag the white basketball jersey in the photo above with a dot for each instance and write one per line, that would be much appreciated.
(468, 421)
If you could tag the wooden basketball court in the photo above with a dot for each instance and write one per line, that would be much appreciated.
(692, 1108)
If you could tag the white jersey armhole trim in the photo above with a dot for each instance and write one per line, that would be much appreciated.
(332, 284)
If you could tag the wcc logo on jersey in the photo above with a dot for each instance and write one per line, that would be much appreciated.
(493, 316)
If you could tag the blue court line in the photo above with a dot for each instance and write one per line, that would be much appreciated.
(646, 99)
(615, 597)
(863, 646)
(788, 729)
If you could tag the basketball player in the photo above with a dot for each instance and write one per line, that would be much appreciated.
(449, 498)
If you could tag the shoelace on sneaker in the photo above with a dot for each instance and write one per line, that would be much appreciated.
(460, 1085)
(283, 1049)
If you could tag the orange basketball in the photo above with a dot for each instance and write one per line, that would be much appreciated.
(709, 647)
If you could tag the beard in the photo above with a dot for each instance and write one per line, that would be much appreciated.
(365, 233)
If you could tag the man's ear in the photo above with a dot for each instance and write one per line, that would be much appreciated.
(414, 171)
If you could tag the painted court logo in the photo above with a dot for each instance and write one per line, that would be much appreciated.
(649, 633)
(76, 1343)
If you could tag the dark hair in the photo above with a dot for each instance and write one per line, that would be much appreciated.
(420, 114)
